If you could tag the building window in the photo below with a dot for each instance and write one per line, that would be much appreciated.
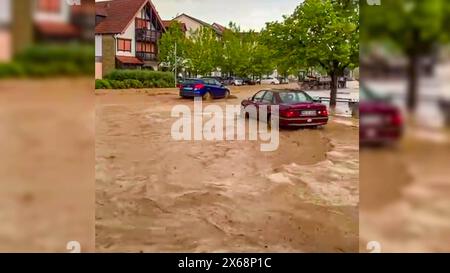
(124, 45)
(145, 47)
(53, 6)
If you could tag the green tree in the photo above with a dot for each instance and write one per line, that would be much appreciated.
(415, 27)
(321, 33)
(281, 52)
(172, 39)
(261, 59)
(203, 51)
(232, 51)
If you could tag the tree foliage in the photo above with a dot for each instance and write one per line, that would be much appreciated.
(173, 36)
(204, 51)
(321, 33)
(414, 27)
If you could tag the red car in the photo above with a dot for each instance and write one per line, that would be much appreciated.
(296, 107)
(380, 121)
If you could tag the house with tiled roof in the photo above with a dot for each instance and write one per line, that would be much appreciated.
(193, 24)
(126, 35)
(219, 27)
(167, 24)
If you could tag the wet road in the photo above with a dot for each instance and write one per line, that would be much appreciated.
(157, 194)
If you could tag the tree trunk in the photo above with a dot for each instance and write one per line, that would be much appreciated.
(333, 91)
(413, 81)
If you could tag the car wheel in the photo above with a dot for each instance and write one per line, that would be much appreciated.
(245, 114)
(269, 122)
(272, 83)
(227, 94)
(207, 96)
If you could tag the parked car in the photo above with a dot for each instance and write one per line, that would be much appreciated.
(217, 78)
(283, 80)
(380, 121)
(233, 81)
(180, 82)
(296, 107)
(207, 88)
(248, 81)
(268, 80)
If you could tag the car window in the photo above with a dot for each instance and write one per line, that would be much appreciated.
(192, 81)
(294, 97)
(258, 96)
(268, 97)
(216, 82)
(209, 81)
(369, 95)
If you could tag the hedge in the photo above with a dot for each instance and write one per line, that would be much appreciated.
(8, 70)
(140, 75)
(51, 60)
(102, 84)
(124, 79)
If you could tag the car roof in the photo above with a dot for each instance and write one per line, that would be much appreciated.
(285, 90)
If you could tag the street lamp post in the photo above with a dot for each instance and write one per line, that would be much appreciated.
(175, 68)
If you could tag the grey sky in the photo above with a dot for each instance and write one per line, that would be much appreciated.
(249, 14)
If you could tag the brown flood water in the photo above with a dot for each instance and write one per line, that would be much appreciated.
(155, 194)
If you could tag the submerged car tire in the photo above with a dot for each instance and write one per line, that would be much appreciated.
(227, 94)
(269, 121)
(207, 96)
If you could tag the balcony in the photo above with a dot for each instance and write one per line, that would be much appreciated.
(146, 35)
(146, 56)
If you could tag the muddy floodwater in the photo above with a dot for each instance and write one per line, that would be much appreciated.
(46, 165)
(157, 194)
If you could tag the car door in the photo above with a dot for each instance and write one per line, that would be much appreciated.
(256, 99)
(221, 90)
(267, 101)
(210, 87)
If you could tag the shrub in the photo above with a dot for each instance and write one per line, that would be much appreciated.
(149, 84)
(146, 77)
(11, 70)
(117, 84)
(130, 83)
(123, 79)
(53, 60)
(102, 84)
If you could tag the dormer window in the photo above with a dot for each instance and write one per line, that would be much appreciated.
(50, 6)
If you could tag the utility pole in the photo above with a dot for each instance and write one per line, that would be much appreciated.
(175, 64)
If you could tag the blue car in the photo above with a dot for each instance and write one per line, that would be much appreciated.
(207, 88)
